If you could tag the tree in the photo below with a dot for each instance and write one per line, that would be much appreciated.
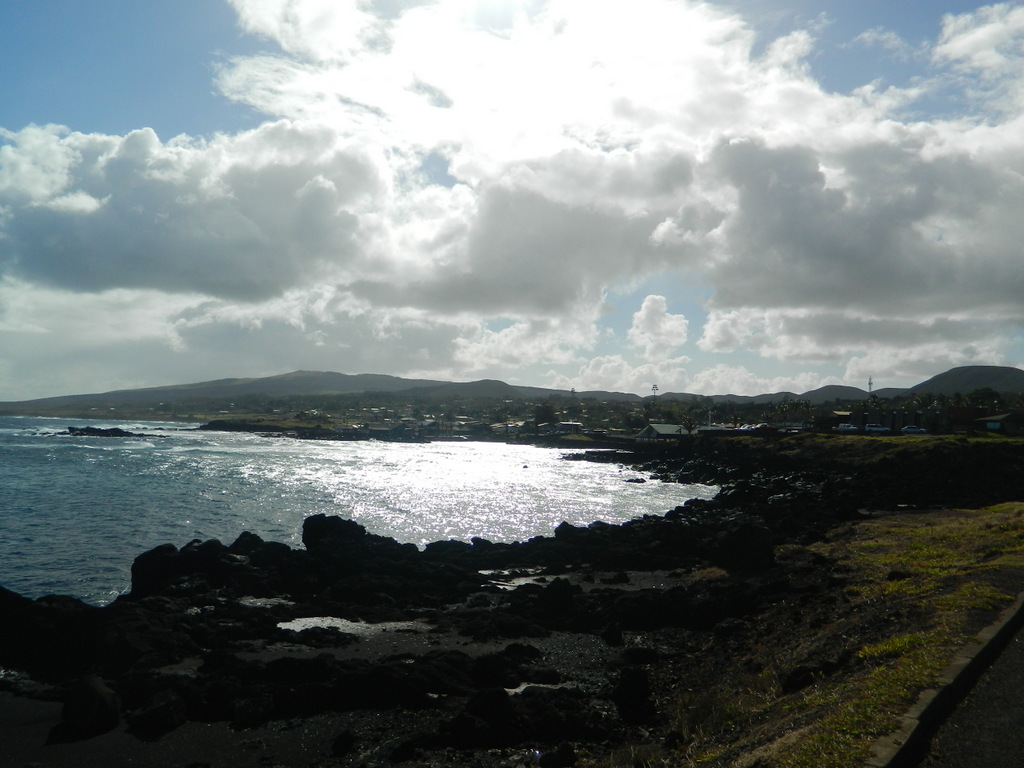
(986, 397)
(649, 405)
(804, 409)
(634, 420)
(876, 403)
(691, 416)
(923, 400)
(574, 408)
(545, 413)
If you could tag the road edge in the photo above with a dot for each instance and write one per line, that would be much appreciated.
(905, 746)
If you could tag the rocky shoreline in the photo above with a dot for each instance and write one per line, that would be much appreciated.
(556, 651)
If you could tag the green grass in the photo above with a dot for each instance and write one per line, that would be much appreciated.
(949, 568)
(870, 704)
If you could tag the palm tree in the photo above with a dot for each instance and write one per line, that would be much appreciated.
(803, 409)
(986, 397)
(921, 400)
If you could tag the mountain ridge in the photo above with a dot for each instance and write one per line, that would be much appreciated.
(964, 379)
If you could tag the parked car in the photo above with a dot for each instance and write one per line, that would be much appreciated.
(875, 429)
(847, 428)
(913, 429)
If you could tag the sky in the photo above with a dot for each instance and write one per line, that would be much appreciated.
(733, 196)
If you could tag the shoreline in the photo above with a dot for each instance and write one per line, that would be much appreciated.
(103, 501)
(587, 627)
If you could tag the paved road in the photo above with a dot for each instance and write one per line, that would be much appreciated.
(987, 729)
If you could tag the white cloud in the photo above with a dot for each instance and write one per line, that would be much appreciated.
(91, 321)
(895, 367)
(987, 40)
(986, 48)
(887, 40)
(245, 217)
(616, 374)
(657, 331)
(903, 343)
(521, 344)
(457, 186)
(724, 379)
(322, 30)
(90, 342)
(34, 163)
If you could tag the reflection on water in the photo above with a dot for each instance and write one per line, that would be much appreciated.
(77, 510)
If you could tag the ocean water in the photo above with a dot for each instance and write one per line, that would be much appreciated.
(76, 511)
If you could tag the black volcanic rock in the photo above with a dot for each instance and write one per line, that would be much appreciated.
(90, 709)
(321, 533)
(606, 609)
(102, 432)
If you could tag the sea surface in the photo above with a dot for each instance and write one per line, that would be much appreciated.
(76, 511)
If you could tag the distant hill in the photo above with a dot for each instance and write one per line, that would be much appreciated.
(834, 392)
(539, 393)
(891, 393)
(284, 385)
(314, 383)
(296, 384)
(968, 378)
(819, 396)
(764, 399)
(485, 388)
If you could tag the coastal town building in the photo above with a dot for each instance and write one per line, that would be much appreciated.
(653, 433)
(1011, 423)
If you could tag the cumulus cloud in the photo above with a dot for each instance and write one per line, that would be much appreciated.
(245, 217)
(458, 186)
(322, 30)
(903, 347)
(522, 344)
(617, 374)
(657, 331)
(725, 379)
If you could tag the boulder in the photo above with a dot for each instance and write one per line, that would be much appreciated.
(153, 570)
(91, 708)
(321, 532)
